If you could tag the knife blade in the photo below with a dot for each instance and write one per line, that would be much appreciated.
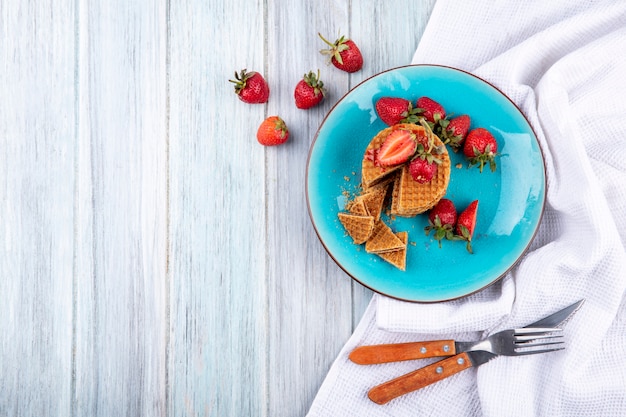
(395, 352)
(560, 317)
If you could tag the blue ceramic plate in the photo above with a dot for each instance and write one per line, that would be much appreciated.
(511, 200)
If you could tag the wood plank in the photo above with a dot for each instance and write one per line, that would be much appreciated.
(121, 251)
(37, 152)
(217, 360)
(310, 300)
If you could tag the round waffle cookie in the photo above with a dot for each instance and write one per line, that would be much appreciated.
(409, 197)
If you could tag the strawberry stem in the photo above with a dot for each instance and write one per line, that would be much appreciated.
(326, 41)
(241, 79)
(335, 48)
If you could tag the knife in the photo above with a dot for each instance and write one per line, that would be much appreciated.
(474, 356)
(395, 352)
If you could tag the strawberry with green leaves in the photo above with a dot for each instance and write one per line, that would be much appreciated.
(251, 87)
(454, 131)
(309, 91)
(343, 54)
(394, 110)
(466, 223)
(399, 146)
(481, 148)
(431, 110)
(442, 219)
(272, 131)
(424, 166)
(422, 170)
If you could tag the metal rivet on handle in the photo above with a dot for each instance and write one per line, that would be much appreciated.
(439, 369)
(423, 349)
(446, 348)
(460, 361)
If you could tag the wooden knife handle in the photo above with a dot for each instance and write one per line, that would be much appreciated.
(415, 380)
(367, 355)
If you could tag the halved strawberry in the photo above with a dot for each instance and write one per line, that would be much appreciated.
(454, 131)
(481, 148)
(394, 110)
(398, 147)
(466, 223)
(441, 220)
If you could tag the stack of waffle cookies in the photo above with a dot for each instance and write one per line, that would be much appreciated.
(409, 197)
(362, 218)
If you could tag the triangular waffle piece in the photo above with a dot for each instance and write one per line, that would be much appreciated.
(358, 227)
(357, 207)
(382, 239)
(397, 258)
(373, 201)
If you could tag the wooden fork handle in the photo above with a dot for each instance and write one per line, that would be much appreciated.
(367, 355)
(420, 378)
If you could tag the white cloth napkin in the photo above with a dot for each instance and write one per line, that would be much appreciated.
(564, 64)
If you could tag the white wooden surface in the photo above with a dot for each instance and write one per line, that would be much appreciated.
(154, 259)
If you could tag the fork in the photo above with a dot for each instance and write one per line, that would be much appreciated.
(511, 342)
(515, 342)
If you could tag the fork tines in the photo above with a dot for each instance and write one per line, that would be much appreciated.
(528, 341)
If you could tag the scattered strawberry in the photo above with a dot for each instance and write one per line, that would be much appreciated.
(481, 148)
(309, 91)
(344, 54)
(423, 171)
(397, 148)
(466, 223)
(394, 110)
(431, 110)
(251, 87)
(442, 219)
(454, 131)
(272, 131)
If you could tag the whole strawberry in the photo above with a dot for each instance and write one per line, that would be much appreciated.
(422, 170)
(481, 148)
(423, 167)
(272, 131)
(394, 110)
(251, 87)
(441, 220)
(431, 110)
(344, 54)
(454, 131)
(309, 91)
(397, 148)
(466, 223)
